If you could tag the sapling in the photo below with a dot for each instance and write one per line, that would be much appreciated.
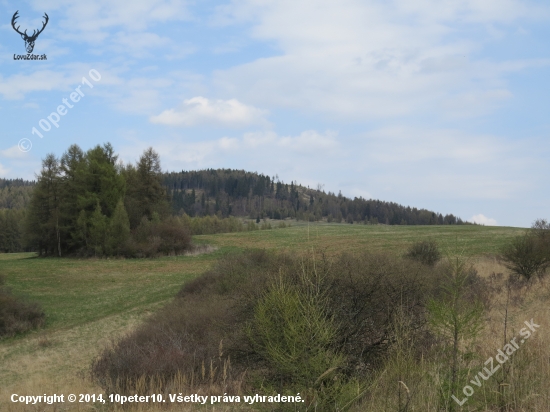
(456, 317)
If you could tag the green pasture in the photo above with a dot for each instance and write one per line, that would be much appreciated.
(334, 238)
(76, 291)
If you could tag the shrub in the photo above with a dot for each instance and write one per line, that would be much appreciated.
(526, 255)
(294, 324)
(541, 229)
(252, 226)
(186, 335)
(424, 251)
(154, 238)
(208, 225)
(17, 316)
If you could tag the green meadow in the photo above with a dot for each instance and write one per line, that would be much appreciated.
(77, 291)
(89, 303)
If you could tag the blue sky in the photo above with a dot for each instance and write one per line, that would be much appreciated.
(441, 104)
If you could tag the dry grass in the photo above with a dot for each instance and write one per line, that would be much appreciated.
(523, 388)
(59, 361)
(487, 265)
(200, 250)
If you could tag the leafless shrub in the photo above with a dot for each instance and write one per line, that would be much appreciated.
(526, 255)
(16, 315)
(216, 321)
(424, 251)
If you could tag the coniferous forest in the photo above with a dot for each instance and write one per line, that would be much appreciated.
(90, 204)
(228, 192)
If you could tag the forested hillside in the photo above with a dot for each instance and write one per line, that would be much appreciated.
(238, 193)
(15, 194)
(88, 203)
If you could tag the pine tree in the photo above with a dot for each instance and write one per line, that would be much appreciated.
(457, 318)
(72, 167)
(102, 181)
(82, 232)
(98, 230)
(42, 230)
(119, 230)
(146, 193)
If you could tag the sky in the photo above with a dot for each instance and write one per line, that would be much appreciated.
(436, 104)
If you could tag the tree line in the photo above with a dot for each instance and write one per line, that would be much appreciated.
(89, 203)
(227, 192)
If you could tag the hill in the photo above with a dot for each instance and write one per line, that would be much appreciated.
(239, 193)
(227, 192)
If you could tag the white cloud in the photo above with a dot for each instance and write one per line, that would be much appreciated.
(94, 17)
(259, 143)
(483, 220)
(426, 163)
(31, 105)
(487, 11)
(401, 145)
(265, 152)
(200, 110)
(3, 171)
(134, 42)
(119, 27)
(65, 78)
(475, 102)
(13, 153)
(369, 60)
(16, 86)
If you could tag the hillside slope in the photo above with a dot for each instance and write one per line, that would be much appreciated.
(229, 192)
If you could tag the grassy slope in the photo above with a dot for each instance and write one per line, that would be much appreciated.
(89, 302)
(472, 240)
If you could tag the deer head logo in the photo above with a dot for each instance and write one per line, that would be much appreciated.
(29, 40)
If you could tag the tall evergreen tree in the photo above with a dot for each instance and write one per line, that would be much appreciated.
(102, 180)
(42, 224)
(98, 231)
(146, 193)
(73, 169)
(119, 230)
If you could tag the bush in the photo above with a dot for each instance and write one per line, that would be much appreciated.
(17, 316)
(186, 335)
(154, 238)
(294, 324)
(527, 255)
(208, 225)
(424, 251)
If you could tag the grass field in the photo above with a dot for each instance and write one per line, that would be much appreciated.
(333, 237)
(91, 302)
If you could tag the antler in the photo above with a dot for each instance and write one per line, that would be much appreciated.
(34, 33)
(15, 16)
(43, 25)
